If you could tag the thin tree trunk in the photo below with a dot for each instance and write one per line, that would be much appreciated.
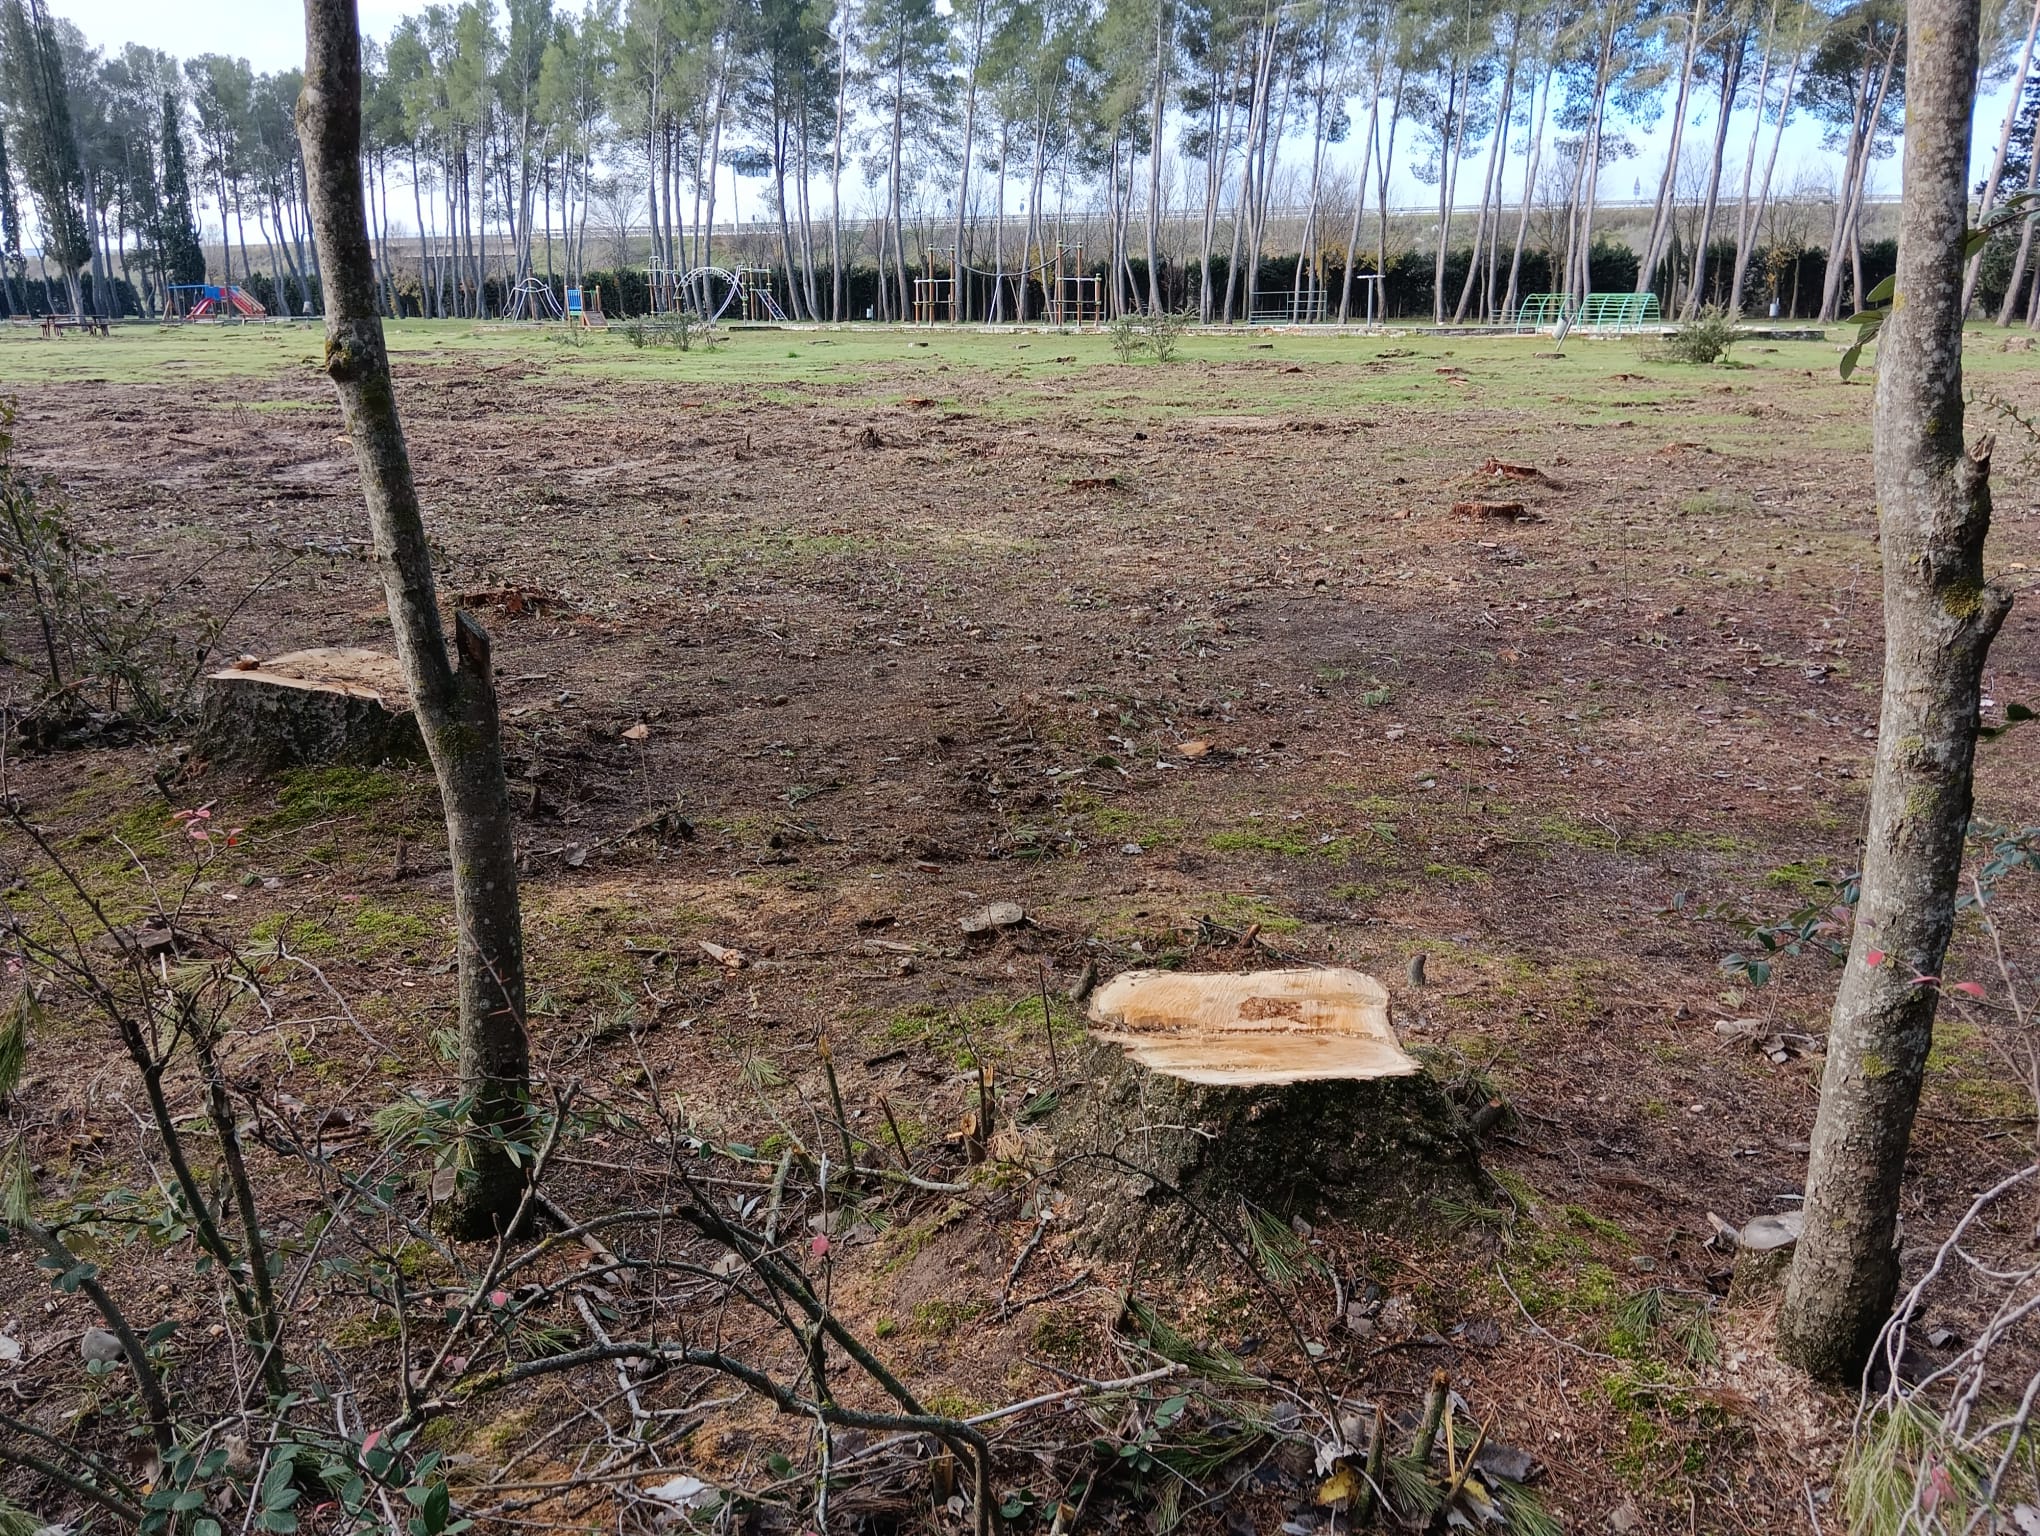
(1542, 110)
(1158, 113)
(2011, 301)
(1359, 208)
(837, 298)
(1731, 77)
(1668, 189)
(456, 705)
(956, 278)
(1933, 498)
(1491, 184)
(1745, 231)
(1831, 282)
(1771, 161)
(2004, 147)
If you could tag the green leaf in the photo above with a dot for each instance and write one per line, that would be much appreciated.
(1847, 366)
(281, 1521)
(206, 1528)
(1882, 293)
(2016, 714)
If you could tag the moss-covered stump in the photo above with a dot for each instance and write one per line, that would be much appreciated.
(333, 704)
(1143, 1149)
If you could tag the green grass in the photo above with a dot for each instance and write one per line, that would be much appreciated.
(307, 795)
(1292, 840)
(1010, 375)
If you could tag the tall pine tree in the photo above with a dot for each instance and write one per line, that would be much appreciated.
(13, 265)
(43, 138)
(183, 255)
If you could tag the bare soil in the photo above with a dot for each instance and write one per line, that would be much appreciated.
(1195, 678)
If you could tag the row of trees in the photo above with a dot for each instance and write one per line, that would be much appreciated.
(925, 139)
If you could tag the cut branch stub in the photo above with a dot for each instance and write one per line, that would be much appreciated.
(331, 704)
(1287, 1089)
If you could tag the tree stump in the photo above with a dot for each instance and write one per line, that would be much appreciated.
(1287, 1089)
(332, 704)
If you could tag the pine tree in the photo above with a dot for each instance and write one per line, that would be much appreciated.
(183, 255)
(13, 265)
(44, 141)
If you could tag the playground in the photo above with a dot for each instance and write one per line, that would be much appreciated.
(1535, 661)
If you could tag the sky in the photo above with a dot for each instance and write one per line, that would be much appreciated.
(270, 34)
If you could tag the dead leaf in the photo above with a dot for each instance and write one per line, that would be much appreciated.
(1341, 1486)
(1514, 511)
(1193, 749)
(638, 732)
(723, 955)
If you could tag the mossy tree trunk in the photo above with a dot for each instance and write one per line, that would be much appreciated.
(456, 706)
(1933, 498)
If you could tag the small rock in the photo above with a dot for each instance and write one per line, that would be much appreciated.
(1941, 1338)
(99, 1347)
(1132, 848)
(1504, 1461)
(998, 914)
(1625, 1517)
(1479, 1332)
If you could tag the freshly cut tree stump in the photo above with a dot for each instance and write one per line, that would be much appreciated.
(333, 704)
(1287, 1089)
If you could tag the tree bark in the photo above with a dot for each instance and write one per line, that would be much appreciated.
(456, 706)
(1940, 617)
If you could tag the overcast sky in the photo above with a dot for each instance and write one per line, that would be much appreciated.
(270, 35)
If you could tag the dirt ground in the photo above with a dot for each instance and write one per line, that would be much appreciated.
(1194, 662)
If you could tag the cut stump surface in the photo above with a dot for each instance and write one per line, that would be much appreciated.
(330, 704)
(1286, 1089)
